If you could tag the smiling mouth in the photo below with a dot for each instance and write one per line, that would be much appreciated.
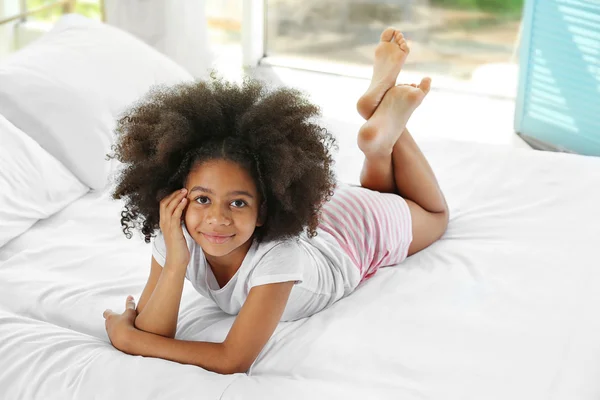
(217, 239)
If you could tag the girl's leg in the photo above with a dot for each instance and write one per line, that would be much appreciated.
(378, 174)
(390, 54)
(378, 136)
(393, 161)
(390, 151)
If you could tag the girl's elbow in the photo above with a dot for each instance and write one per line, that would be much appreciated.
(238, 366)
(446, 220)
(234, 369)
(235, 363)
(228, 368)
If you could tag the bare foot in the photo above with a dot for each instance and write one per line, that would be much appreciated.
(390, 55)
(379, 134)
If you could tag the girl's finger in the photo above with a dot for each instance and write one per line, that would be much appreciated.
(179, 209)
(129, 303)
(175, 202)
(107, 313)
(167, 200)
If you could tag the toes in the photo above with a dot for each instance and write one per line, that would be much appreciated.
(404, 46)
(388, 35)
(425, 85)
(398, 37)
(401, 40)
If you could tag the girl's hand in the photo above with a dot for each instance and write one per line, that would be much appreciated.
(171, 210)
(119, 326)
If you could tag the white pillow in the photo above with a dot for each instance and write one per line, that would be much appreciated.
(67, 90)
(33, 184)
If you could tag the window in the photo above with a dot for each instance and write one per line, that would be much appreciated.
(447, 37)
(89, 8)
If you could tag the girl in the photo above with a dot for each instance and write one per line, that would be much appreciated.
(239, 181)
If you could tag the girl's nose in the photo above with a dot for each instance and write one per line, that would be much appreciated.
(218, 216)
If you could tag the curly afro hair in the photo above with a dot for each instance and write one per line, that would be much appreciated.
(271, 133)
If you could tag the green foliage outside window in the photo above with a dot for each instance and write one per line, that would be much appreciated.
(494, 6)
(90, 9)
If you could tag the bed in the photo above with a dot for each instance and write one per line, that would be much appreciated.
(504, 306)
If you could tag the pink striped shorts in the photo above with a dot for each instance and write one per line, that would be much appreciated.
(373, 228)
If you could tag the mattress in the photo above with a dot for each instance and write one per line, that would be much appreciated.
(504, 306)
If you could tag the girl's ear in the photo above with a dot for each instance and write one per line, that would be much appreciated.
(262, 214)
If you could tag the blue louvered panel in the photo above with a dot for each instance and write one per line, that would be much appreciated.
(558, 101)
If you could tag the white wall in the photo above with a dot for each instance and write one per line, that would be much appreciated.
(176, 28)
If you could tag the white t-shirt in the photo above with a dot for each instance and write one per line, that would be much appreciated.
(322, 272)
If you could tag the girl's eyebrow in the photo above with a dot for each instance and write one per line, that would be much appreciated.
(207, 190)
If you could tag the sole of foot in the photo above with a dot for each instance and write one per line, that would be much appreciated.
(390, 55)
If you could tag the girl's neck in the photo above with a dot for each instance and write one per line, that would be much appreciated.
(225, 267)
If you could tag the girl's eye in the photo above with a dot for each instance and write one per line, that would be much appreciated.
(238, 203)
(202, 200)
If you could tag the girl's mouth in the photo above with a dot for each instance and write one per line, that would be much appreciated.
(216, 238)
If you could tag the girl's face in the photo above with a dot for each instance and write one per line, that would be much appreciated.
(223, 208)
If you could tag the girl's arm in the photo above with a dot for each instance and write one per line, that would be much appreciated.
(158, 307)
(155, 271)
(251, 330)
(159, 304)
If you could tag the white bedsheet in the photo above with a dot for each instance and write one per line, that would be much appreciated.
(504, 306)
